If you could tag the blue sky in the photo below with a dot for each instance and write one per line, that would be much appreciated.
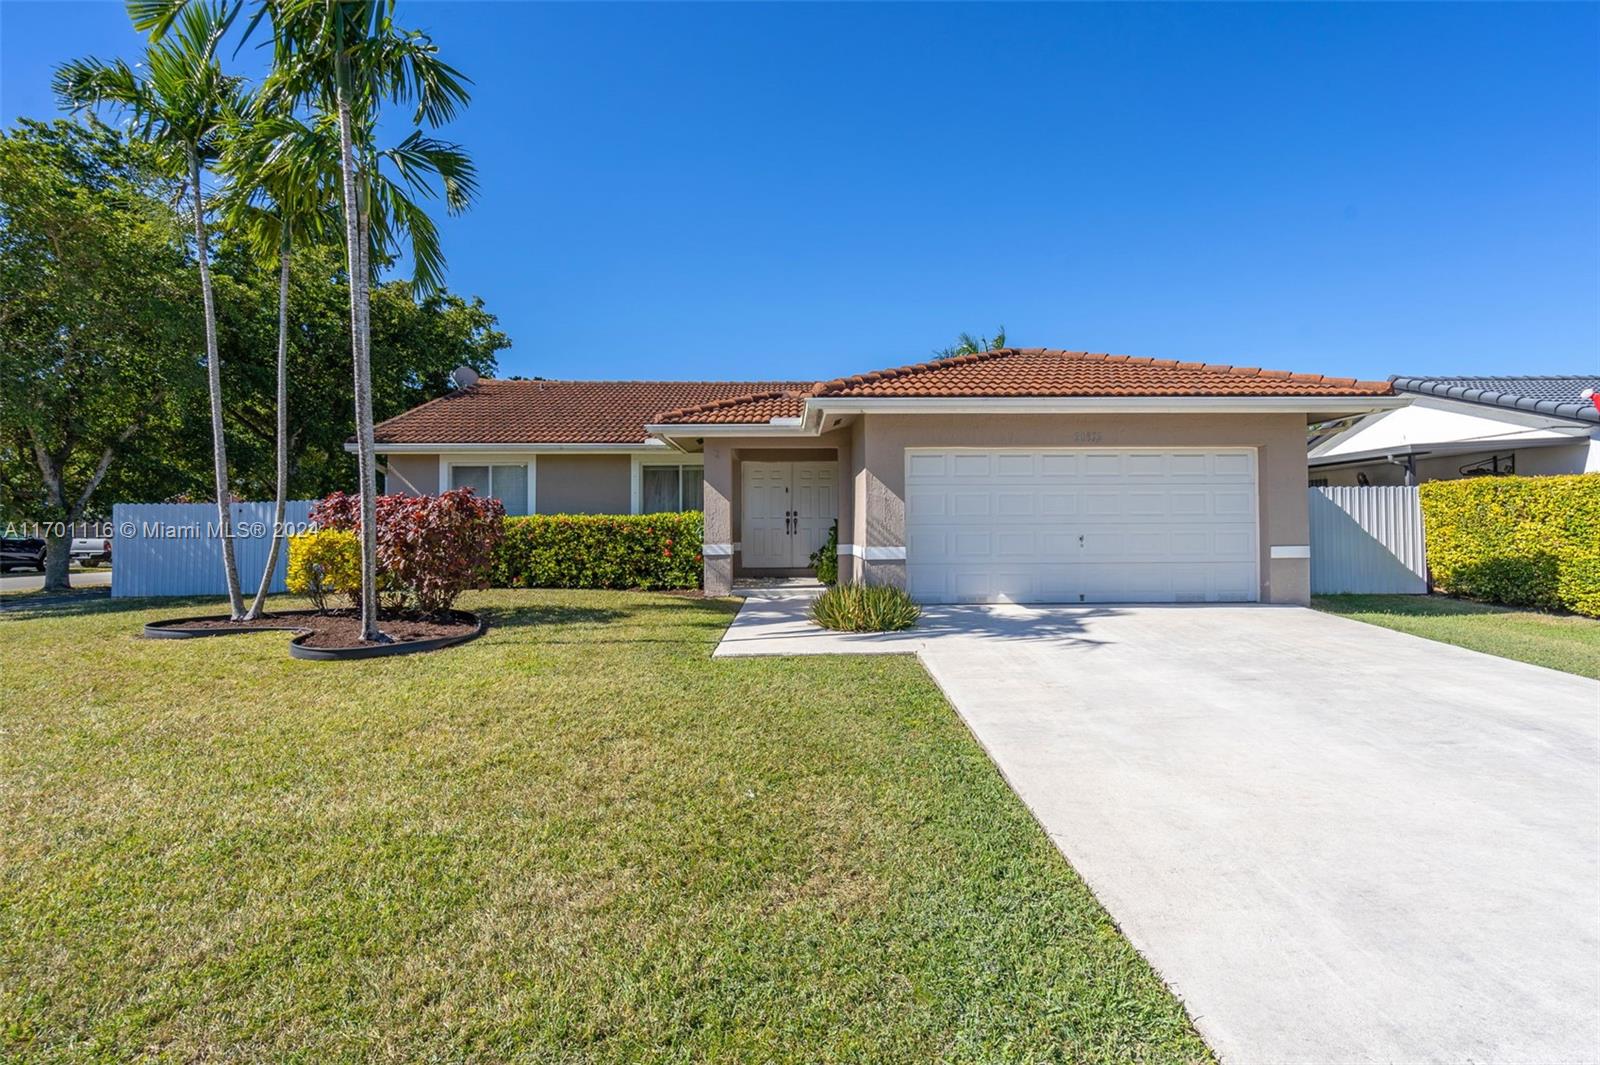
(807, 190)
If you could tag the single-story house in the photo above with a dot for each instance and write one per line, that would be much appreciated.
(1022, 475)
(1465, 427)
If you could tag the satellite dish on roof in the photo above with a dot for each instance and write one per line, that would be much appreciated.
(463, 377)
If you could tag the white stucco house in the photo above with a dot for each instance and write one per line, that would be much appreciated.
(1465, 427)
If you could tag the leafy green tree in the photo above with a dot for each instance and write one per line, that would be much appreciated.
(97, 345)
(179, 101)
(967, 344)
(416, 343)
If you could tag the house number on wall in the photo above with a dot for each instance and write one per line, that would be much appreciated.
(1086, 438)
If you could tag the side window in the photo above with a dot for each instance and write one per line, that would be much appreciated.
(672, 488)
(508, 483)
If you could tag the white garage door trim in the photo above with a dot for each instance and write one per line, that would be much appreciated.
(1082, 525)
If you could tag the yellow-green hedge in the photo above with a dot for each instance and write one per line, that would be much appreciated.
(1525, 541)
(323, 563)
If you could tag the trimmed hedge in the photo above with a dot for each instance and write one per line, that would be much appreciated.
(600, 551)
(1523, 541)
(325, 562)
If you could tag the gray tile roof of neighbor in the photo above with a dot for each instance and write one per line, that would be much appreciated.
(1561, 396)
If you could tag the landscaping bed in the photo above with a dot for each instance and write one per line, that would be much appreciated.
(334, 631)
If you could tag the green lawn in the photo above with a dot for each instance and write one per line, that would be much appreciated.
(576, 839)
(1560, 641)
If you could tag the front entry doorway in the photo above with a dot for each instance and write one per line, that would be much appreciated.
(788, 509)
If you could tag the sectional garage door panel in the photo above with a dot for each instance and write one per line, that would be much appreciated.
(1081, 526)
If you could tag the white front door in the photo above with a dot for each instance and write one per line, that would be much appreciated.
(788, 509)
(1064, 525)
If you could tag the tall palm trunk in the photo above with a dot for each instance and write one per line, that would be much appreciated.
(355, 259)
(283, 423)
(219, 447)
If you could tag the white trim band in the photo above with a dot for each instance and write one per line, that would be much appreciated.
(512, 448)
(849, 549)
(1291, 551)
(885, 554)
(716, 550)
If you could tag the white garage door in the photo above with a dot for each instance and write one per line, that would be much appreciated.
(1081, 525)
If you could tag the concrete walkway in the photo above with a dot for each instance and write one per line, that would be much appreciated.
(1337, 843)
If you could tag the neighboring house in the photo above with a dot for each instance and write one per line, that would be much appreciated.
(1466, 427)
(1024, 475)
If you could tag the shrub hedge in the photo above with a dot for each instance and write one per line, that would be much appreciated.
(325, 562)
(430, 548)
(600, 551)
(1523, 541)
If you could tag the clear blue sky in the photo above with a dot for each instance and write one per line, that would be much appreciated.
(767, 190)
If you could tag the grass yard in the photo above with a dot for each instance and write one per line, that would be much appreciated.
(1560, 641)
(576, 839)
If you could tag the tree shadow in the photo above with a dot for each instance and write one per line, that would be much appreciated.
(95, 601)
(511, 617)
(788, 621)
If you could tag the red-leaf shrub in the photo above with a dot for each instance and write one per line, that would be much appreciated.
(430, 548)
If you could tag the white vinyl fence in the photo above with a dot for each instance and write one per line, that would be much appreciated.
(174, 548)
(1367, 539)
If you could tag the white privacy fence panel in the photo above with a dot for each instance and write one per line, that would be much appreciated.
(1367, 539)
(175, 549)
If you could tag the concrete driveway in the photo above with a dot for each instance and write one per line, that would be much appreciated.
(1336, 843)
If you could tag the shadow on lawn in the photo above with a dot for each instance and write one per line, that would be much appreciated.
(510, 617)
(96, 601)
(707, 616)
(1420, 606)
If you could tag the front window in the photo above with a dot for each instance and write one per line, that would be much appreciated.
(672, 488)
(507, 483)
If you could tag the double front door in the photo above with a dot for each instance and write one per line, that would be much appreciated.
(788, 509)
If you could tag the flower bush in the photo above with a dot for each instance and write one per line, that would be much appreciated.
(325, 562)
(430, 548)
(601, 551)
(1524, 541)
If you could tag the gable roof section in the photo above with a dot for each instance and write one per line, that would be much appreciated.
(1558, 396)
(759, 408)
(558, 412)
(1046, 372)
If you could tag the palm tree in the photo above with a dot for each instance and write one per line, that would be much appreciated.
(180, 102)
(967, 344)
(283, 192)
(347, 57)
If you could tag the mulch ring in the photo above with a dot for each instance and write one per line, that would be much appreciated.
(336, 634)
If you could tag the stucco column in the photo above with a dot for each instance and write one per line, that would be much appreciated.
(717, 549)
(883, 541)
(1285, 518)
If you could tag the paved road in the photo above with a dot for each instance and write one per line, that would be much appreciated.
(32, 582)
(1337, 843)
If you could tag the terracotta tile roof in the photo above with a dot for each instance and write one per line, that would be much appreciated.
(1035, 372)
(742, 410)
(1050, 372)
(559, 412)
(616, 412)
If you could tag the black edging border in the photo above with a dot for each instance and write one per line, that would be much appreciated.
(160, 630)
